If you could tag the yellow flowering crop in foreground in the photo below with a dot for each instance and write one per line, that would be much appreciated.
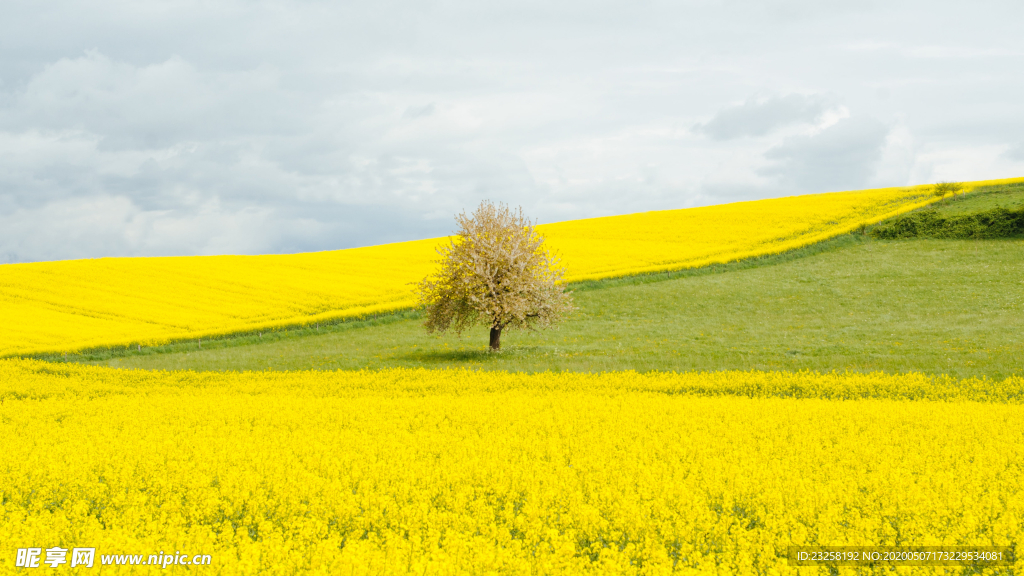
(81, 304)
(461, 472)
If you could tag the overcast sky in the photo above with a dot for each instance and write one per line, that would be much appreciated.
(234, 127)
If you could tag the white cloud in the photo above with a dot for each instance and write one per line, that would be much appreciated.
(964, 162)
(827, 119)
(897, 159)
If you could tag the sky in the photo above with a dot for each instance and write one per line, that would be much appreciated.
(185, 127)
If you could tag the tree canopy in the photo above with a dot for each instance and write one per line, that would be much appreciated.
(943, 188)
(494, 271)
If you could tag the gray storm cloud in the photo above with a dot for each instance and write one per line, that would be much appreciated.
(187, 127)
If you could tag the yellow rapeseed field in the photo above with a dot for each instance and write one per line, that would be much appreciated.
(461, 472)
(76, 305)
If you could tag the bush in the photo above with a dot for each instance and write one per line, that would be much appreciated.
(995, 223)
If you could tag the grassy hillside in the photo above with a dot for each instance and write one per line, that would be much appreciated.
(935, 306)
(995, 212)
(1009, 196)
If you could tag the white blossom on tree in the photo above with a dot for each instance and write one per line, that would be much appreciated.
(494, 271)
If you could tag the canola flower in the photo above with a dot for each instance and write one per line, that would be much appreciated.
(68, 306)
(461, 472)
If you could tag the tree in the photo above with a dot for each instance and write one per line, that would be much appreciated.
(943, 188)
(494, 271)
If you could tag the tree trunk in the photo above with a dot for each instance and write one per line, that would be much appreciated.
(495, 339)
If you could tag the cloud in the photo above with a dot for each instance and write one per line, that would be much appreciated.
(762, 117)
(841, 157)
(194, 127)
(148, 106)
(414, 112)
(1015, 152)
(95, 226)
